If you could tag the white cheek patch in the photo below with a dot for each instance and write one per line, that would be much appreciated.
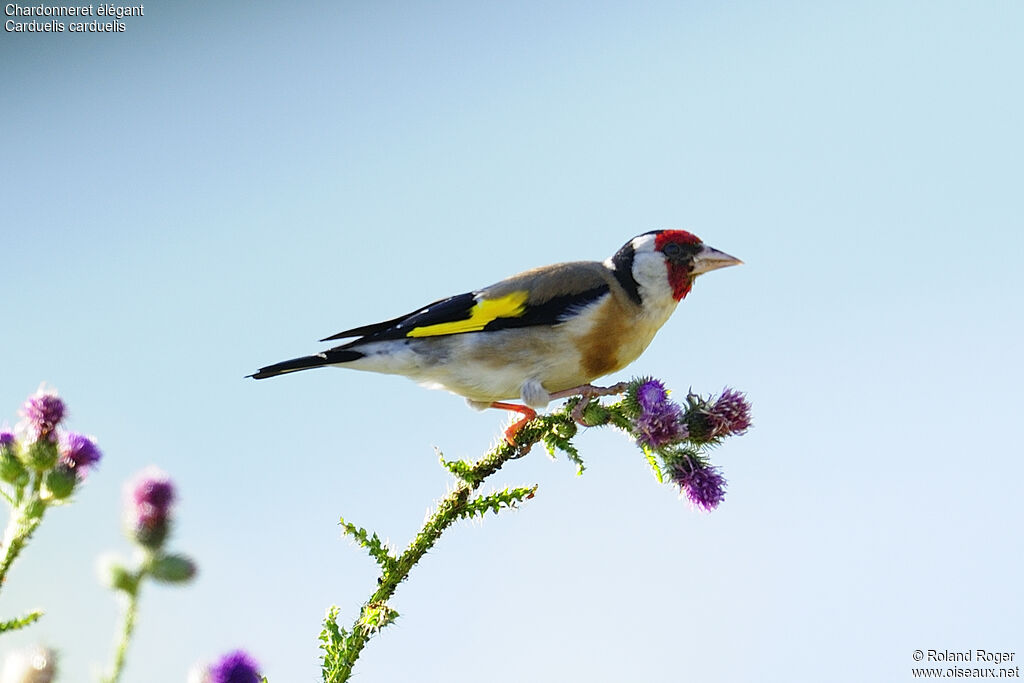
(651, 276)
(644, 244)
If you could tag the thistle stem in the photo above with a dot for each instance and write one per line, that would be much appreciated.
(126, 631)
(662, 428)
(24, 520)
(451, 508)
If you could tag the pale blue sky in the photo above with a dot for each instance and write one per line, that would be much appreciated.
(219, 187)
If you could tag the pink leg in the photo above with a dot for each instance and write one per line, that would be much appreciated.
(527, 412)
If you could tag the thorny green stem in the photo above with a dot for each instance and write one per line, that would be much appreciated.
(659, 426)
(25, 519)
(127, 629)
(450, 509)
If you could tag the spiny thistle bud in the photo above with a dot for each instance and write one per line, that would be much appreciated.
(34, 665)
(173, 569)
(60, 481)
(11, 469)
(147, 507)
(41, 454)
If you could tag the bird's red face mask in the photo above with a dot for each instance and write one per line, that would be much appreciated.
(686, 257)
(679, 248)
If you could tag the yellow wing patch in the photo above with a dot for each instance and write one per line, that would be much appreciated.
(509, 306)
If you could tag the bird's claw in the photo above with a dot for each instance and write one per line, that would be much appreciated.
(587, 392)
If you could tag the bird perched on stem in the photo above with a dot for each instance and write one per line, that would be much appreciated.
(537, 336)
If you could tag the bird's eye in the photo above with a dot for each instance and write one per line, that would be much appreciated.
(672, 250)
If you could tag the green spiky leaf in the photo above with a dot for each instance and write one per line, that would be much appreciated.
(375, 616)
(461, 469)
(506, 498)
(333, 641)
(371, 542)
(21, 622)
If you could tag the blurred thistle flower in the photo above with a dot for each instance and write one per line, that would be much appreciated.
(41, 413)
(78, 452)
(234, 667)
(703, 486)
(730, 414)
(149, 497)
(34, 665)
(659, 422)
(11, 468)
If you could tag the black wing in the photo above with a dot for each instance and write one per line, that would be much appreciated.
(470, 313)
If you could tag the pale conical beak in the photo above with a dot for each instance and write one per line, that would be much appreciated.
(708, 259)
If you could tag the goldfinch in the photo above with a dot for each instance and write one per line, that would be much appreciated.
(540, 335)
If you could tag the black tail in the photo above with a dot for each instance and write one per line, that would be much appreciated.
(306, 362)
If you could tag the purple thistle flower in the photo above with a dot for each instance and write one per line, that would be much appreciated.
(235, 667)
(78, 452)
(659, 422)
(153, 488)
(703, 486)
(730, 414)
(42, 412)
(12, 469)
(659, 428)
(651, 395)
(149, 498)
(8, 444)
